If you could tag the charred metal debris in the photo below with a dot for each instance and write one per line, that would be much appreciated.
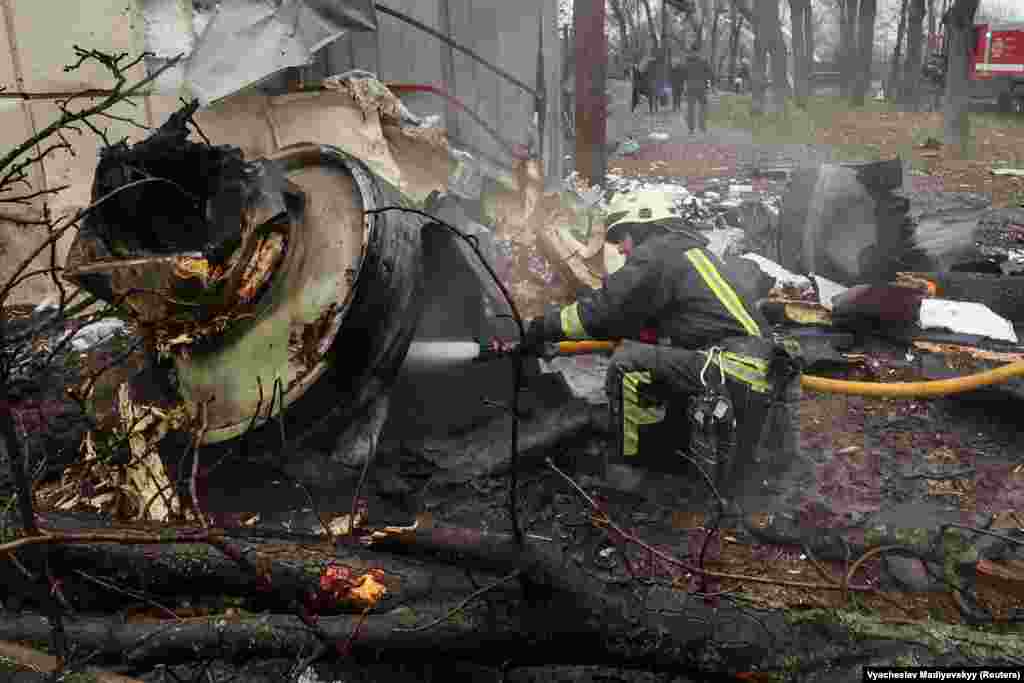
(189, 235)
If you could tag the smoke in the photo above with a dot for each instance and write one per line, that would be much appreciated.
(946, 234)
(429, 355)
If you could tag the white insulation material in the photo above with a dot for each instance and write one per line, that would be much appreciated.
(965, 317)
(777, 272)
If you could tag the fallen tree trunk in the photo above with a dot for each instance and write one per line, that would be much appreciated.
(566, 603)
(141, 643)
(37, 661)
(274, 572)
(694, 635)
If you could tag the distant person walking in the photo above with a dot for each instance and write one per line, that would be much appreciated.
(698, 78)
(742, 77)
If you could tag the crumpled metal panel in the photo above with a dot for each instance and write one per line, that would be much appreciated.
(237, 43)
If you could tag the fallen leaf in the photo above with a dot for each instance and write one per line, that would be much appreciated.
(1008, 570)
(370, 590)
(387, 531)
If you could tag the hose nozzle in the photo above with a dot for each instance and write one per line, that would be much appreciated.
(493, 349)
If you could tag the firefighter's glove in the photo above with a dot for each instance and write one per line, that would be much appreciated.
(540, 331)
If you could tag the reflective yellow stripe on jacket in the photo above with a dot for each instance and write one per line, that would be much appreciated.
(725, 293)
(746, 369)
(572, 326)
(634, 414)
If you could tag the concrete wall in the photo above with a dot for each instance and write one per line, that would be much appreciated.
(36, 43)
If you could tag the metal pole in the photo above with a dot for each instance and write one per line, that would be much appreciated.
(591, 47)
(448, 67)
(665, 66)
(540, 100)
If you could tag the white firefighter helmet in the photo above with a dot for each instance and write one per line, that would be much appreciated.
(653, 207)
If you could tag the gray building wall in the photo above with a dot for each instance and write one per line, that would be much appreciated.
(504, 32)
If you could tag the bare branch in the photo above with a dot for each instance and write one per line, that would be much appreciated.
(26, 198)
(117, 95)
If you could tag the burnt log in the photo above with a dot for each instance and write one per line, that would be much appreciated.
(566, 606)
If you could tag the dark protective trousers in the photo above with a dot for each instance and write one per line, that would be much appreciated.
(694, 101)
(654, 428)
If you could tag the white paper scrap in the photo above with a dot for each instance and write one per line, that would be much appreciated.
(965, 317)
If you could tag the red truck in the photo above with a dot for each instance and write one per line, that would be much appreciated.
(997, 64)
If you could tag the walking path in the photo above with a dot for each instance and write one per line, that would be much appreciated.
(725, 150)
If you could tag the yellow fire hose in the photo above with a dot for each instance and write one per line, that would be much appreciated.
(925, 389)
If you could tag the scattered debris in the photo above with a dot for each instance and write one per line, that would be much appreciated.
(786, 312)
(827, 290)
(96, 333)
(1016, 172)
(722, 241)
(627, 147)
(243, 43)
(133, 485)
(974, 352)
(965, 317)
(466, 180)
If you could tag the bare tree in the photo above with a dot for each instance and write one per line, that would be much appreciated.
(895, 68)
(758, 64)
(776, 45)
(803, 46)
(624, 32)
(719, 10)
(768, 42)
(847, 45)
(702, 20)
(809, 47)
(959, 23)
(865, 50)
(915, 53)
(736, 27)
(655, 43)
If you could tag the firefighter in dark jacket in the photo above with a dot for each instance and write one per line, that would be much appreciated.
(703, 341)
